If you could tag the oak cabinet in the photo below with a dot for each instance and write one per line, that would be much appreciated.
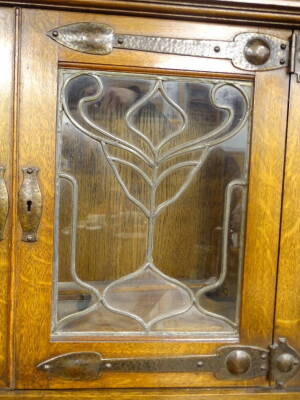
(151, 240)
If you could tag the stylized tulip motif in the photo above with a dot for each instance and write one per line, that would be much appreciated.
(160, 155)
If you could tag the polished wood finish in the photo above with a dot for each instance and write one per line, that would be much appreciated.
(152, 394)
(266, 174)
(7, 32)
(259, 12)
(37, 127)
(287, 321)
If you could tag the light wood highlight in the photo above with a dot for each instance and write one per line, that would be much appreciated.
(264, 203)
(287, 321)
(7, 32)
(165, 394)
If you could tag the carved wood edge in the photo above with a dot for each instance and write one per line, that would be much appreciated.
(263, 12)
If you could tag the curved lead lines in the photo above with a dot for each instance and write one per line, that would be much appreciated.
(108, 137)
(120, 180)
(206, 142)
(212, 138)
(139, 271)
(133, 166)
(189, 179)
(158, 87)
(74, 275)
(226, 221)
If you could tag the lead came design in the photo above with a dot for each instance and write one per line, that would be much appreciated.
(155, 159)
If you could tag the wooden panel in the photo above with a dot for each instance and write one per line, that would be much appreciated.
(167, 394)
(7, 28)
(262, 12)
(37, 132)
(287, 322)
(263, 220)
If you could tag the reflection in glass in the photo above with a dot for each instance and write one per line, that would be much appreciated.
(150, 205)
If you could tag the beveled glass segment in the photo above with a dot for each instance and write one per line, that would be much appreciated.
(151, 188)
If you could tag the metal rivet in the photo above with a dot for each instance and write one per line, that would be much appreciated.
(282, 61)
(280, 384)
(283, 46)
(238, 362)
(264, 356)
(55, 33)
(120, 40)
(29, 170)
(282, 340)
(108, 365)
(257, 51)
(285, 362)
(200, 364)
(217, 49)
(263, 368)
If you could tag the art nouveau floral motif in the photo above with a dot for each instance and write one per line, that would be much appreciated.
(158, 157)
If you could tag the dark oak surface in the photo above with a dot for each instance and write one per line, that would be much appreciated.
(261, 12)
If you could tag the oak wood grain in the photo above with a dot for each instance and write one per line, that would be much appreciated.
(264, 206)
(260, 12)
(153, 394)
(287, 319)
(7, 32)
(40, 57)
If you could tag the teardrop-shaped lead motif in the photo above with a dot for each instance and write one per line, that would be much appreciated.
(75, 366)
(86, 37)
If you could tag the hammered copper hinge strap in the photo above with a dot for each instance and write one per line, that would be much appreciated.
(229, 363)
(247, 51)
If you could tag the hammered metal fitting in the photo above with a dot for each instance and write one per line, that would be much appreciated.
(238, 362)
(30, 204)
(257, 51)
(285, 362)
(247, 51)
(86, 37)
(244, 362)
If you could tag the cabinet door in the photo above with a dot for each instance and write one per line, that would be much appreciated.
(160, 177)
(7, 32)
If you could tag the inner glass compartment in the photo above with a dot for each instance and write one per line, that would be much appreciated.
(151, 185)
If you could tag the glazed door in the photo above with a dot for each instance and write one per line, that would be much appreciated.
(150, 202)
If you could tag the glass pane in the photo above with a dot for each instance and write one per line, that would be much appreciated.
(150, 205)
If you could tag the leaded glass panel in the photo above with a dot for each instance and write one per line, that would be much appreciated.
(150, 205)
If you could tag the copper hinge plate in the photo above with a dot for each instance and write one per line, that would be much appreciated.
(279, 363)
(248, 51)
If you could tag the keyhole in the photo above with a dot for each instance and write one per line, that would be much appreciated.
(29, 204)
